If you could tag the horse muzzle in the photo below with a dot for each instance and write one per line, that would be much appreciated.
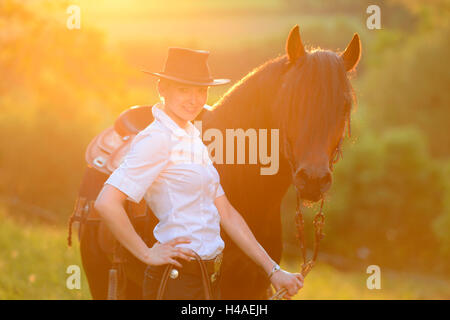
(310, 187)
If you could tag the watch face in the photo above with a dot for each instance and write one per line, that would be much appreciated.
(275, 268)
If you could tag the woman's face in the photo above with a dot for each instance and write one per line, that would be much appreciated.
(183, 102)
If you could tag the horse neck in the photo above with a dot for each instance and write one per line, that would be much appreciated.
(250, 105)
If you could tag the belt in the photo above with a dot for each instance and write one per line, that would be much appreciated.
(193, 267)
(204, 267)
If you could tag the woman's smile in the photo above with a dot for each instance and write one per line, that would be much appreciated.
(191, 109)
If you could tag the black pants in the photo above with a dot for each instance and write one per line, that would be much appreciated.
(187, 286)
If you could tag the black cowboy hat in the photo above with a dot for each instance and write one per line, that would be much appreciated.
(188, 66)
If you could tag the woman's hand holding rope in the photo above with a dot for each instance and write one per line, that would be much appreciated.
(292, 282)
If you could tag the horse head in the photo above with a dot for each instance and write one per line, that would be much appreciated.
(313, 105)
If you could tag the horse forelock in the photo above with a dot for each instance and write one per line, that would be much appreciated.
(316, 94)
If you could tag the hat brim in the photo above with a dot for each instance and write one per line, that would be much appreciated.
(215, 82)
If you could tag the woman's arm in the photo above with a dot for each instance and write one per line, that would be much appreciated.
(240, 233)
(110, 206)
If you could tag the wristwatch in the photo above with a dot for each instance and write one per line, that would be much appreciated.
(275, 268)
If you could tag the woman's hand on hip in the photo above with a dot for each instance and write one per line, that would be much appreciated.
(164, 253)
(292, 282)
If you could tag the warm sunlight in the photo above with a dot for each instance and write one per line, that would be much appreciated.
(259, 127)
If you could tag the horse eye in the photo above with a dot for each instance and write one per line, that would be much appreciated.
(347, 108)
(337, 152)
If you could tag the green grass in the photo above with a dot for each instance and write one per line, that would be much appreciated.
(326, 282)
(34, 259)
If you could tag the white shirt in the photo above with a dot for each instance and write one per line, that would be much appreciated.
(170, 168)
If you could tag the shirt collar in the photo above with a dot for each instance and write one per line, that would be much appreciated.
(160, 115)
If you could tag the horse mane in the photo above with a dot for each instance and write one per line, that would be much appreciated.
(244, 102)
(317, 82)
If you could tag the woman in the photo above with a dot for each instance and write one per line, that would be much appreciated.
(169, 166)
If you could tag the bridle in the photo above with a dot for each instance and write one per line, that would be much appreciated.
(319, 218)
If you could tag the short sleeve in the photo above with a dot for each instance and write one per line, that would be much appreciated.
(219, 192)
(148, 156)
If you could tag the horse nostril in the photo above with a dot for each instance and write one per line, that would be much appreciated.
(313, 185)
(301, 178)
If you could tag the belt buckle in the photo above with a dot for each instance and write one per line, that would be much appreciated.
(217, 264)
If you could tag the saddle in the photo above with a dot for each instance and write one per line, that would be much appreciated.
(103, 155)
(106, 151)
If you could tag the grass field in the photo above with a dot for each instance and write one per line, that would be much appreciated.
(34, 259)
(326, 282)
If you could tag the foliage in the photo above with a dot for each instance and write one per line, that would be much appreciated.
(408, 84)
(58, 88)
(389, 204)
(387, 194)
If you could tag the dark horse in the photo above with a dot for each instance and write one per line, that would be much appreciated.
(308, 97)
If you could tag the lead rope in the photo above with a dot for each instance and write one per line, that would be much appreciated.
(318, 223)
(319, 219)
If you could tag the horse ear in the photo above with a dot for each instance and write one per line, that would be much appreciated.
(352, 53)
(294, 45)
